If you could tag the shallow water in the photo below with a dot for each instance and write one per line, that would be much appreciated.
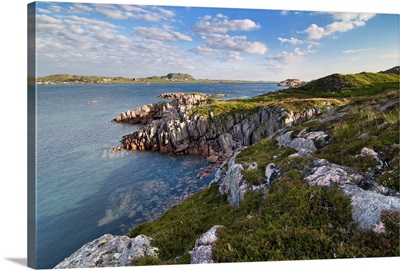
(84, 189)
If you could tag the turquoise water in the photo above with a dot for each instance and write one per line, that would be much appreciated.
(84, 189)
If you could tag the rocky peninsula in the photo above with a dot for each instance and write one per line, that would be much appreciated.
(307, 173)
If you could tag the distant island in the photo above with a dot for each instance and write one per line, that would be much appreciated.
(292, 83)
(169, 78)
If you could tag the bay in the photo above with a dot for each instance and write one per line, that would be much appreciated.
(84, 188)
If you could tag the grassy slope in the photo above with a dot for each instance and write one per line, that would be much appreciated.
(295, 221)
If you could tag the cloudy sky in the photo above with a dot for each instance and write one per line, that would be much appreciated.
(213, 43)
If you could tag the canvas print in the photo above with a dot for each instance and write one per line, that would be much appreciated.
(164, 135)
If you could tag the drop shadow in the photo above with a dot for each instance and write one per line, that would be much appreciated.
(20, 261)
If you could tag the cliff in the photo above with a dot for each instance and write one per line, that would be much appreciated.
(178, 127)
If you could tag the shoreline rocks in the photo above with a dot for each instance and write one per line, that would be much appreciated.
(173, 127)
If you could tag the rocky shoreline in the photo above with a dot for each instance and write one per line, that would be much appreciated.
(172, 127)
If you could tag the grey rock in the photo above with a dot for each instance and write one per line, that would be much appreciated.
(252, 165)
(367, 206)
(305, 147)
(324, 173)
(331, 117)
(226, 143)
(110, 251)
(233, 183)
(202, 252)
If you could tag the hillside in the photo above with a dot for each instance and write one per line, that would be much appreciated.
(343, 83)
(307, 173)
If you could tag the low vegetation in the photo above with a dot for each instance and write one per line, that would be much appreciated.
(296, 221)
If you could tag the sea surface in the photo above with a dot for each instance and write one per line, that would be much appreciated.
(84, 188)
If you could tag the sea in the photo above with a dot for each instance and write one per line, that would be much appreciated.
(85, 189)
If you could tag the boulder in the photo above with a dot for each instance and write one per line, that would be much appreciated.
(202, 252)
(323, 173)
(110, 251)
(367, 206)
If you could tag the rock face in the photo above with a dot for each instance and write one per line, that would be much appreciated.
(110, 251)
(171, 127)
(202, 252)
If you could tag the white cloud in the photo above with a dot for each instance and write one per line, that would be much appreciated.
(235, 43)
(344, 23)
(42, 10)
(356, 51)
(292, 41)
(79, 45)
(204, 51)
(347, 17)
(56, 8)
(221, 24)
(81, 7)
(113, 13)
(148, 14)
(288, 59)
(161, 34)
(45, 19)
(221, 45)
(231, 56)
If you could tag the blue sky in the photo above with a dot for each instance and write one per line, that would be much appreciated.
(213, 43)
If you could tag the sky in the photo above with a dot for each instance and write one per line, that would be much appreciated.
(211, 43)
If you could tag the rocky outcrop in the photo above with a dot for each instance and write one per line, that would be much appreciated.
(232, 182)
(110, 251)
(368, 199)
(202, 252)
(306, 143)
(367, 206)
(291, 83)
(172, 127)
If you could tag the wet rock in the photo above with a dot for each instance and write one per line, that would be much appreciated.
(202, 252)
(212, 159)
(110, 251)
